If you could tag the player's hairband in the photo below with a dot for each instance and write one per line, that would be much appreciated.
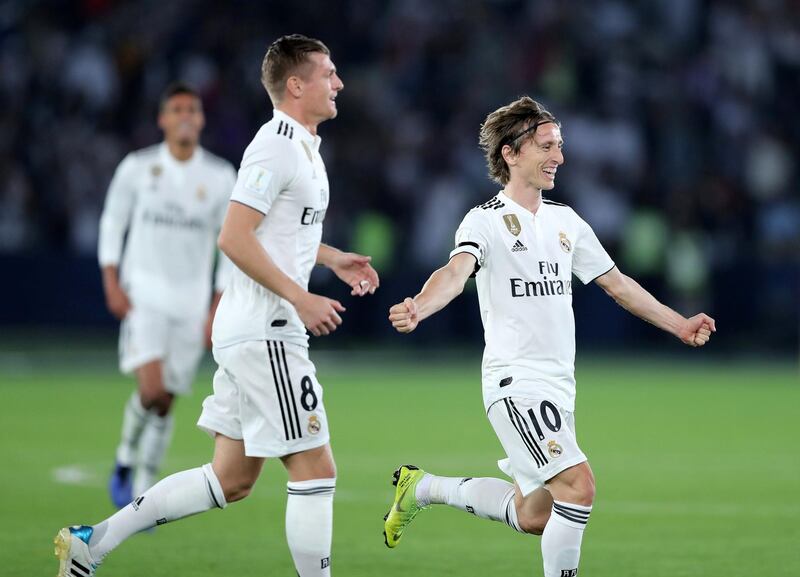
(532, 128)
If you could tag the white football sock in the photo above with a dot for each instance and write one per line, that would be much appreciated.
(153, 446)
(485, 497)
(309, 525)
(179, 495)
(133, 421)
(561, 540)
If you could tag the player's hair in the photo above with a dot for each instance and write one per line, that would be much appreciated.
(174, 89)
(287, 56)
(512, 124)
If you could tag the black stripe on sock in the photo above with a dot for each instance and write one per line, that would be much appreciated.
(572, 511)
(291, 390)
(331, 487)
(277, 389)
(525, 440)
(211, 492)
(570, 517)
(528, 430)
(311, 492)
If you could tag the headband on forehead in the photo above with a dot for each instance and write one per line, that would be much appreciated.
(531, 128)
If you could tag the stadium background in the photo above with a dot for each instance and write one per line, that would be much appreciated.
(681, 130)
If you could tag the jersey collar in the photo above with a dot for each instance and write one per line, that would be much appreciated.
(169, 160)
(507, 200)
(305, 135)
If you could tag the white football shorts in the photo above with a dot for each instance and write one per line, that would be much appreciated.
(147, 335)
(266, 393)
(538, 438)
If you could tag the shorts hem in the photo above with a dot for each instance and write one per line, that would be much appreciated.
(212, 427)
(267, 451)
(529, 487)
(128, 365)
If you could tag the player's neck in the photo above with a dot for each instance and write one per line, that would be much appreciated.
(181, 152)
(524, 195)
(296, 113)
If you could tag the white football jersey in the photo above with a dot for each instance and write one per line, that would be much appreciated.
(524, 269)
(172, 212)
(283, 177)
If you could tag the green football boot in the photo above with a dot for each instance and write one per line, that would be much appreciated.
(405, 506)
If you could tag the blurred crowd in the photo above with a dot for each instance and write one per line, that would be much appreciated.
(679, 119)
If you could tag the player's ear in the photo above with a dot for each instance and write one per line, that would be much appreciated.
(509, 155)
(294, 86)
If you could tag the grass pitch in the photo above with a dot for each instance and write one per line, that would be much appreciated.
(697, 467)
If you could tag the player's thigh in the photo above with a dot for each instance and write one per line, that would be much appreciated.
(314, 463)
(150, 379)
(144, 337)
(538, 438)
(235, 471)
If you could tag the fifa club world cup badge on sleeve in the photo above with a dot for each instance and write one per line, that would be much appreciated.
(512, 224)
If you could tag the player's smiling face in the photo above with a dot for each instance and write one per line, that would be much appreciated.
(321, 87)
(182, 119)
(539, 157)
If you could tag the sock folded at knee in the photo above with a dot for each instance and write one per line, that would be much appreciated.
(309, 525)
(485, 497)
(177, 496)
(561, 540)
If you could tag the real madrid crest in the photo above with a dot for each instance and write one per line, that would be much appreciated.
(554, 449)
(314, 425)
(201, 192)
(566, 245)
(512, 224)
(155, 170)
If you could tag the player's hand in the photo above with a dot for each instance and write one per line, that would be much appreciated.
(403, 316)
(319, 314)
(117, 301)
(355, 270)
(697, 330)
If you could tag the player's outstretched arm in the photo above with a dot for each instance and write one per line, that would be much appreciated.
(694, 331)
(238, 241)
(351, 268)
(442, 287)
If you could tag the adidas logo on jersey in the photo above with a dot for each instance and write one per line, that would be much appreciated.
(518, 247)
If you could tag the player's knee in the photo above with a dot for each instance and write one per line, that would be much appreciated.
(584, 491)
(158, 401)
(533, 524)
(237, 489)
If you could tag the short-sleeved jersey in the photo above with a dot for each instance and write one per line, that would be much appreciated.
(172, 212)
(283, 177)
(524, 267)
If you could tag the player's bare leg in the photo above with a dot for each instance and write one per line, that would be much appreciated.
(573, 493)
(146, 432)
(157, 432)
(237, 473)
(309, 509)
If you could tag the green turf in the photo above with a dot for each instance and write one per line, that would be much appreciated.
(697, 470)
